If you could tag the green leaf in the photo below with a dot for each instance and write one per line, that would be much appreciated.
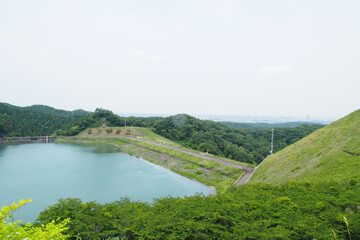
(13, 206)
(5, 210)
(22, 202)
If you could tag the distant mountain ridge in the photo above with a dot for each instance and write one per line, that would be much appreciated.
(54, 111)
(328, 154)
(258, 126)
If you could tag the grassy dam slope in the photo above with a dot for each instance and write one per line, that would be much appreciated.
(328, 154)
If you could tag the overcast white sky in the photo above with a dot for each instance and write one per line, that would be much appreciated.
(265, 58)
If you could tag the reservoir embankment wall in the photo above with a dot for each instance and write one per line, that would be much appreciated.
(33, 139)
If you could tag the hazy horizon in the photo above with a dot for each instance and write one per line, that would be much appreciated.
(227, 58)
(231, 118)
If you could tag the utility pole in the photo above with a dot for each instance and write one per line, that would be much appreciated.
(272, 142)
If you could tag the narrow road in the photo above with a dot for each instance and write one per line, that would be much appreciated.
(242, 180)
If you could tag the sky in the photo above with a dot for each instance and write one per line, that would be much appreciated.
(201, 57)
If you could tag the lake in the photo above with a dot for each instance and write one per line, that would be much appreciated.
(46, 172)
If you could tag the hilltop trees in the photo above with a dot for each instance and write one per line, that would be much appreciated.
(93, 120)
(35, 120)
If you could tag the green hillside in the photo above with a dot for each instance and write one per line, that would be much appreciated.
(35, 120)
(243, 145)
(328, 154)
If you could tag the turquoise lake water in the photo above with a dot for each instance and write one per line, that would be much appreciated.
(46, 172)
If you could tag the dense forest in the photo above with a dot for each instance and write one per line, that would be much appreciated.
(36, 120)
(251, 212)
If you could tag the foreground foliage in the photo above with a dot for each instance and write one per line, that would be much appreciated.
(16, 231)
(290, 211)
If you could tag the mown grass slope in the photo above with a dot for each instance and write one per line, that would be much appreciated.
(132, 132)
(318, 157)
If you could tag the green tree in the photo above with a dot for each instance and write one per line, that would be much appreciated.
(16, 231)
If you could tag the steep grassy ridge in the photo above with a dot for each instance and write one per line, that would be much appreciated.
(318, 157)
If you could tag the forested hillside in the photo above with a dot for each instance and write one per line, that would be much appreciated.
(58, 112)
(244, 145)
(34, 120)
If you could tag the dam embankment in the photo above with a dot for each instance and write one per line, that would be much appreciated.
(33, 139)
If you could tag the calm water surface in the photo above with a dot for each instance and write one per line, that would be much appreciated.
(47, 172)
